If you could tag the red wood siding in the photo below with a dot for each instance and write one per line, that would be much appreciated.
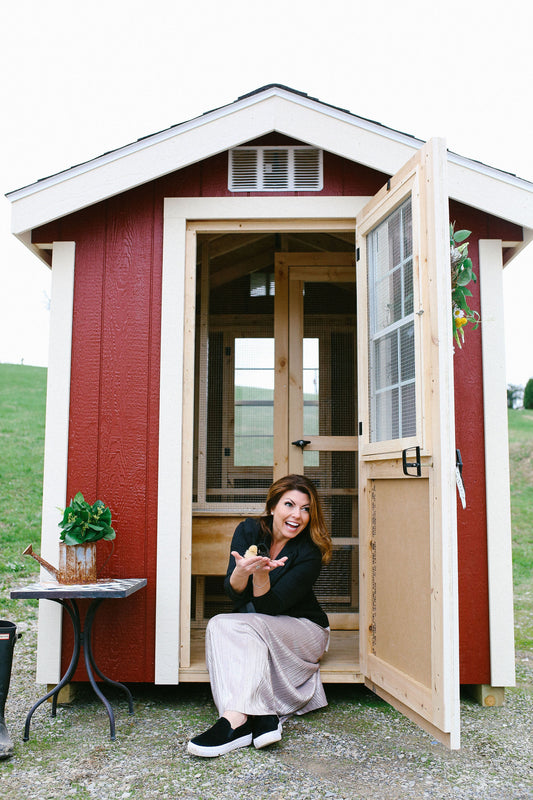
(114, 409)
(113, 436)
(474, 641)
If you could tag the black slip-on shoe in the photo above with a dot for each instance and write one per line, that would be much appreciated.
(220, 739)
(266, 730)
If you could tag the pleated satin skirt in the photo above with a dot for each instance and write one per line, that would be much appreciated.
(260, 664)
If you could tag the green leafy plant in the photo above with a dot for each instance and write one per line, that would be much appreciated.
(462, 274)
(83, 522)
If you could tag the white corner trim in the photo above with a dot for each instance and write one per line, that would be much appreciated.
(167, 641)
(55, 450)
(500, 577)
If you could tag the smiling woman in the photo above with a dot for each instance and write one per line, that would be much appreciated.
(289, 518)
(263, 659)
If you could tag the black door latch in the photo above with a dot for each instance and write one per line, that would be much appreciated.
(412, 464)
(301, 443)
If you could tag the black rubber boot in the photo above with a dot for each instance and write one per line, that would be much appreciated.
(8, 637)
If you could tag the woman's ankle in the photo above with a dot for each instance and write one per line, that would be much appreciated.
(235, 718)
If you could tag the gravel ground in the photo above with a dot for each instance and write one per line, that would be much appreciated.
(358, 748)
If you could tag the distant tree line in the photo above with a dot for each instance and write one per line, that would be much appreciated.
(528, 394)
(517, 396)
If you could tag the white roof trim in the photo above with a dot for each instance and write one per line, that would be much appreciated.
(211, 116)
(274, 108)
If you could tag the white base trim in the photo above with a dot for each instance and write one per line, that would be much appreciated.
(55, 450)
(501, 616)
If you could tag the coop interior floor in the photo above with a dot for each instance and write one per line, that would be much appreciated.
(339, 665)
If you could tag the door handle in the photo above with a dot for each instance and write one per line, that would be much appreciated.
(301, 443)
(412, 464)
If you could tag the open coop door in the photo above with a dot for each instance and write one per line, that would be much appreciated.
(409, 621)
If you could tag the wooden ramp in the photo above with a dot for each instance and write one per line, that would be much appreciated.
(339, 665)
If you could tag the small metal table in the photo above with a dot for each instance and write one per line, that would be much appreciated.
(67, 596)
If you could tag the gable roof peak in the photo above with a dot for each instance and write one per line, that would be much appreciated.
(269, 86)
(273, 107)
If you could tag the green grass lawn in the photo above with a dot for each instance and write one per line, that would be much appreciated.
(22, 415)
(521, 464)
(22, 412)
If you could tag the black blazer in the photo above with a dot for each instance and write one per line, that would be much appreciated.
(291, 586)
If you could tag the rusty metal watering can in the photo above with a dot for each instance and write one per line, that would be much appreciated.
(77, 563)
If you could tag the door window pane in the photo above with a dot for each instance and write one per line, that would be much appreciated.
(254, 402)
(311, 396)
(391, 327)
(310, 386)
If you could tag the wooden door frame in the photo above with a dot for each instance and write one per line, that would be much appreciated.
(184, 218)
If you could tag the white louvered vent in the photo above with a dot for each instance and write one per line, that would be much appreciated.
(243, 169)
(308, 168)
(275, 169)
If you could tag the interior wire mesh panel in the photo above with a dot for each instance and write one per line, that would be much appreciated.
(338, 585)
(234, 436)
(330, 393)
(234, 400)
(240, 416)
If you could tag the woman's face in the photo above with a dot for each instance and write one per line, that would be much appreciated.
(291, 515)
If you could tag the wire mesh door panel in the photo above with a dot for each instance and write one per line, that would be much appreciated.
(338, 585)
(234, 383)
(276, 362)
(323, 412)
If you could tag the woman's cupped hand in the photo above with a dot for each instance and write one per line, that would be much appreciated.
(254, 564)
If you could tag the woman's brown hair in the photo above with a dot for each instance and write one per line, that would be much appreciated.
(317, 526)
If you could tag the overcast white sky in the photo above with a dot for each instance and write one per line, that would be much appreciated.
(79, 79)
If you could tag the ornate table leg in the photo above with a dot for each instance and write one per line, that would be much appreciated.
(89, 661)
(74, 614)
(81, 637)
(87, 645)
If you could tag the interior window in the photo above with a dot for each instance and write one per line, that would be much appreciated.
(254, 402)
(311, 396)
